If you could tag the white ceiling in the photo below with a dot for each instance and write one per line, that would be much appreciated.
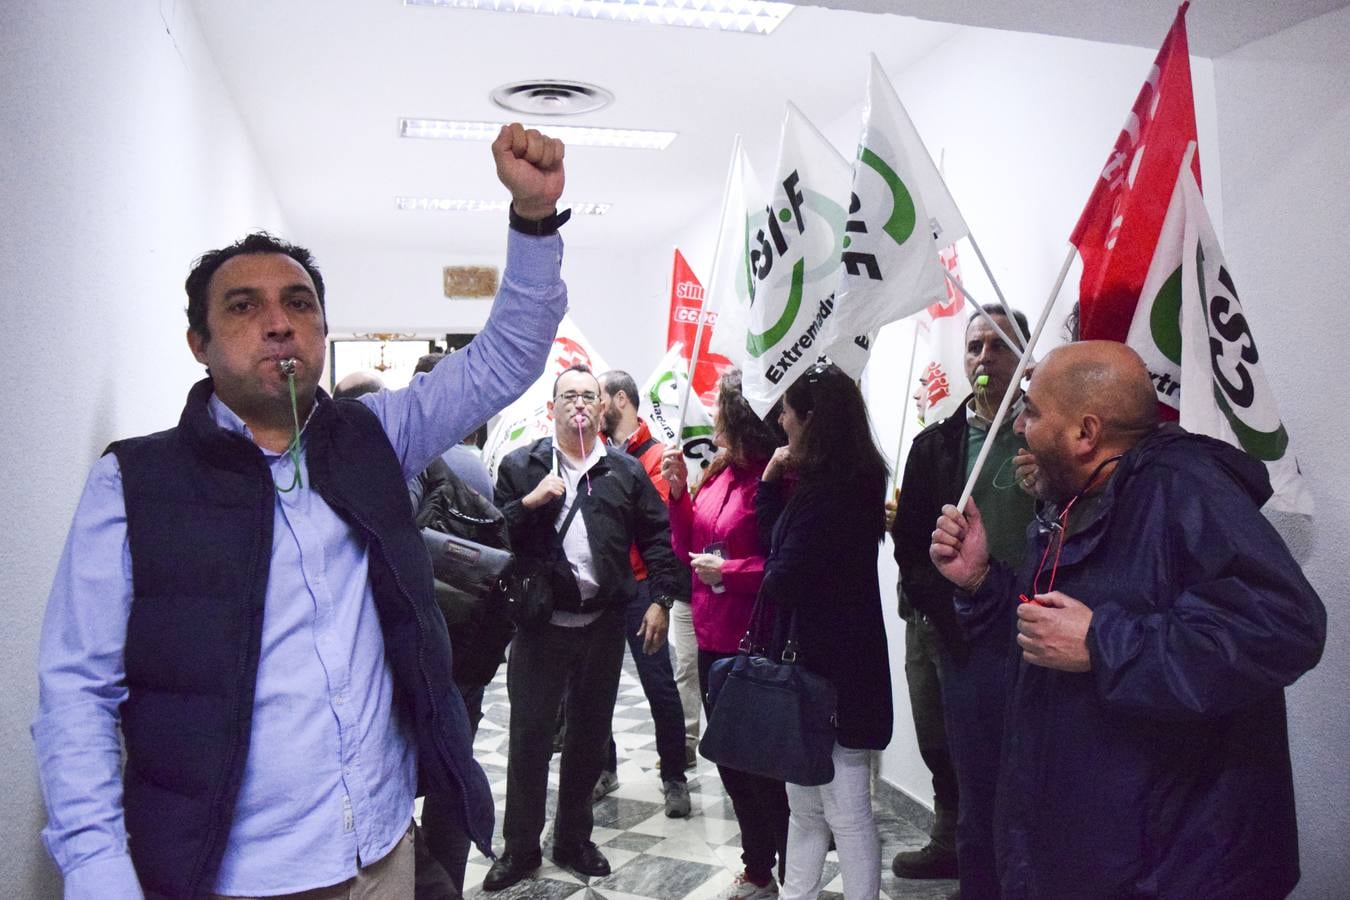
(321, 85)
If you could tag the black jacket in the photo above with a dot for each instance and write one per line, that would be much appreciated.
(200, 509)
(622, 509)
(823, 564)
(1164, 771)
(934, 475)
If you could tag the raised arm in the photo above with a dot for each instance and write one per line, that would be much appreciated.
(438, 408)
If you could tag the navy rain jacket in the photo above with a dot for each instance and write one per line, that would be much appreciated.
(1164, 771)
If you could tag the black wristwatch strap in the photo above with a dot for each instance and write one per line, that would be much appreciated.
(539, 227)
(665, 601)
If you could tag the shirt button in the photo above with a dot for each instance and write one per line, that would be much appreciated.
(341, 698)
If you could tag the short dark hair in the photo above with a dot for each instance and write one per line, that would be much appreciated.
(258, 242)
(994, 309)
(837, 443)
(426, 362)
(616, 380)
(574, 367)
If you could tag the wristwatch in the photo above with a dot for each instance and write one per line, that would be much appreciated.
(665, 601)
(539, 227)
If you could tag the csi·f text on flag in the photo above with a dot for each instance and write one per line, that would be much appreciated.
(890, 258)
(1119, 227)
(660, 406)
(527, 418)
(795, 255)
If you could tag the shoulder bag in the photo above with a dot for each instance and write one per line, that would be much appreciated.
(770, 718)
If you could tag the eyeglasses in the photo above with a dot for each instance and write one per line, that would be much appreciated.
(587, 397)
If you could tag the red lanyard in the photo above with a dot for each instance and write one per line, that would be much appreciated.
(1061, 525)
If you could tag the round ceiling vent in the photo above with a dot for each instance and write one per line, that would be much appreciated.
(552, 97)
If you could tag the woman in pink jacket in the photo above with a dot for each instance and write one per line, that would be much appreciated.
(715, 529)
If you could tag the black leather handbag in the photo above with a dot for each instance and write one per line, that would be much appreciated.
(767, 717)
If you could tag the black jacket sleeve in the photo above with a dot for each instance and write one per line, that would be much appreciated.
(515, 479)
(922, 492)
(1244, 621)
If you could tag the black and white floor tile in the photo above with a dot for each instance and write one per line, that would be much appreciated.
(653, 857)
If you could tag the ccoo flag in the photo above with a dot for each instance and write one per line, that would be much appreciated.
(1120, 225)
(794, 260)
(941, 363)
(660, 406)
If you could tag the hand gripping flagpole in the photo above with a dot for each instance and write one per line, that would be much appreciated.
(707, 292)
(1015, 383)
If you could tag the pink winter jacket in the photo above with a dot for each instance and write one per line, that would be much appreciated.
(724, 510)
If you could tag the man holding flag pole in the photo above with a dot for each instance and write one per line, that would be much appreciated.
(1161, 615)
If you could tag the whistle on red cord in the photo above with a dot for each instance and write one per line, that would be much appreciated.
(1025, 599)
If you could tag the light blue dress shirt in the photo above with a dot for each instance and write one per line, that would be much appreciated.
(330, 776)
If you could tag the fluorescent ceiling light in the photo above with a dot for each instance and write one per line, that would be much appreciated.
(442, 204)
(750, 16)
(574, 135)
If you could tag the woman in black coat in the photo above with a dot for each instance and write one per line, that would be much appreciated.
(821, 504)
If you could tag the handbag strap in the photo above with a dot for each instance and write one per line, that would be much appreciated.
(761, 634)
(567, 522)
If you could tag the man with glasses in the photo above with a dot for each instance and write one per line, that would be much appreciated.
(597, 502)
(956, 686)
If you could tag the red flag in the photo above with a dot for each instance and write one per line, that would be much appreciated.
(1119, 227)
(686, 304)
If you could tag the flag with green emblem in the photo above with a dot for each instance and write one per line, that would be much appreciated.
(1196, 340)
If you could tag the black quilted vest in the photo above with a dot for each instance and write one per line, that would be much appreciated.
(200, 505)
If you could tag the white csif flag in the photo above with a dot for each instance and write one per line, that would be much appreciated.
(660, 406)
(890, 257)
(1225, 393)
(795, 255)
(730, 286)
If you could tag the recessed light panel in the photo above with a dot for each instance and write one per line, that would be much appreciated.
(749, 16)
(574, 135)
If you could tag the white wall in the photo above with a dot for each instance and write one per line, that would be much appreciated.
(123, 159)
(1284, 123)
(618, 301)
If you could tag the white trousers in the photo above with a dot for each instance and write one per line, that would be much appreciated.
(686, 668)
(844, 807)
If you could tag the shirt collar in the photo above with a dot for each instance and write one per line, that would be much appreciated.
(975, 420)
(229, 420)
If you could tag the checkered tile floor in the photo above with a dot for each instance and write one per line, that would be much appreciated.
(653, 857)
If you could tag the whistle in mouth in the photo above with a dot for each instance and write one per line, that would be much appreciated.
(287, 366)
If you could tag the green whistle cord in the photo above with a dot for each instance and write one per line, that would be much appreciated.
(293, 451)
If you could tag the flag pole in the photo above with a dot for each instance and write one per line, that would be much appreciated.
(904, 416)
(1015, 382)
(1003, 335)
(989, 273)
(707, 292)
